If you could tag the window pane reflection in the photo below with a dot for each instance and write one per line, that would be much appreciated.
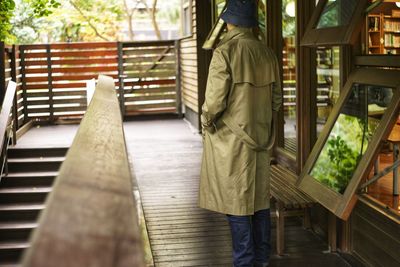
(336, 13)
(289, 74)
(383, 29)
(328, 83)
(350, 135)
(385, 190)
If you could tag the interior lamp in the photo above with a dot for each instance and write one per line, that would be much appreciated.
(398, 4)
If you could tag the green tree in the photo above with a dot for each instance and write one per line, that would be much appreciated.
(6, 9)
(32, 9)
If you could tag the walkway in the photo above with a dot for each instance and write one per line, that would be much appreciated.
(166, 156)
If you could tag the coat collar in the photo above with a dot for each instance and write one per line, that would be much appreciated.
(237, 33)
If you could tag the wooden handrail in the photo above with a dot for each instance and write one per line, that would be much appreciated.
(5, 118)
(90, 217)
(6, 110)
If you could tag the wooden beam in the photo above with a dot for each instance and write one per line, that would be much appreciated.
(90, 217)
(2, 72)
(6, 110)
(13, 65)
(306, 86)
(178, 78)
(203, 27)
(121, 78)
(49, 82)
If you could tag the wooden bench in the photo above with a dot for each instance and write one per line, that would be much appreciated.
(290, 201)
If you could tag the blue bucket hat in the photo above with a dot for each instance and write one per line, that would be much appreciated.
(240, 13)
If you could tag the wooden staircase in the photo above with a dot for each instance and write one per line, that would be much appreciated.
(23, 191)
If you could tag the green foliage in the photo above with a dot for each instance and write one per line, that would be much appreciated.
(343, 150)
(344, 161)
(288, 22)
(6, 12)
(19, 18)
(43, 8)
(25, 26)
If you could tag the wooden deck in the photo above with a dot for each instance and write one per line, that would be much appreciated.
(166, 157)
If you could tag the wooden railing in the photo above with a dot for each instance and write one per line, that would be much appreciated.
(54, 77)
(10, 71)
(90, 217)
(148, 77)
(5, 123)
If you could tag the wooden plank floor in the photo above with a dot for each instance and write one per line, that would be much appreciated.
(49, 136)
(166, 157)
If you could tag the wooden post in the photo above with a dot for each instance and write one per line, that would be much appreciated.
(23, 83)
(306, 86)
(13, 57)
(345, 236)
(50, 83)
(332, 232)
(121, 78)
(178, 78)
(2, 72)
(280, 228)
(203, 27)
(307, 218)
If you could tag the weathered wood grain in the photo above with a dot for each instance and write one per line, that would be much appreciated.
(90, 217)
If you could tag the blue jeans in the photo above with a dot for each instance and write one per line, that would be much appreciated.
(251, 239)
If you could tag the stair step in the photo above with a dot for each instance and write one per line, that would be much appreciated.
(36, 159)
(19, 231)
(11, 252)
(24, 195)
(14, 245)
(13, 212)
(14, 207)
(23, 152)
(35, 164)
(23, 179)
(17, 190)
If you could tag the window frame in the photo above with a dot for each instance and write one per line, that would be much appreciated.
(215, 33)
(339, 35)
(342, 204)
(187, 4)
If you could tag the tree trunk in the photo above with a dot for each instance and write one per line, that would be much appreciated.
(129, 17)
(154, 19)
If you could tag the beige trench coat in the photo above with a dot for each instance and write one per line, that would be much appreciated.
(243, 90)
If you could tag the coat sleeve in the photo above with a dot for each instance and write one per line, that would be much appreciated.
(218, 85)
(277, 88)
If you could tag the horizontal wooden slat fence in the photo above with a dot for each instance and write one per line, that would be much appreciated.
(54, 76)
(149, 71)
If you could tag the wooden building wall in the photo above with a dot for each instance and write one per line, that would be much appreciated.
(195, 61)
(189, 82)
(375, 236)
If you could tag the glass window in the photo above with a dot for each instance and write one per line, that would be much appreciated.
(334, 22)
(289, 75)
(386, 189)
(383, 29)
(350, 136)
(341, 157)
(336, 13)
(328, 83)
(186, 18)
